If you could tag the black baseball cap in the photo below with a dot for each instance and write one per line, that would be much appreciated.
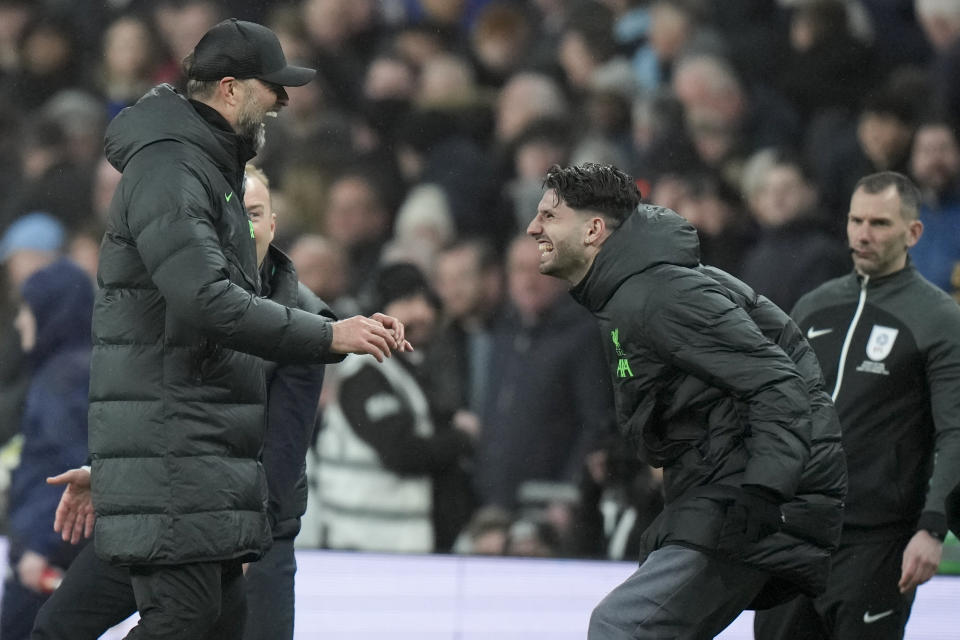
(245, 50)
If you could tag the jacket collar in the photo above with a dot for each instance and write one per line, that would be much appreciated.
(902, 275)
(650, 236)
(237, 146)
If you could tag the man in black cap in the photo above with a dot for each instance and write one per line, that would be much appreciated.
(292, 398)
(177, 389)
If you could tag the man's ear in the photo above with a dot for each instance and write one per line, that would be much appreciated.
(229, 90)
(914, 231)
(596, 230)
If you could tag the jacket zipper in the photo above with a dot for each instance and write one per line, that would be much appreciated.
(849, 337)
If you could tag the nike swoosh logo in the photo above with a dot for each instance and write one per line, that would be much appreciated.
(228, 196)
(868, 618)
(816, 333)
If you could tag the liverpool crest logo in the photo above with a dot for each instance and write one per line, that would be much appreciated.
(623, 365)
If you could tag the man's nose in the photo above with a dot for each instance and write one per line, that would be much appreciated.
(533, 228)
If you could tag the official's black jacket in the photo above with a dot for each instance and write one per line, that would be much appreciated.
(177, 389)
(716, 385)
(890, 351)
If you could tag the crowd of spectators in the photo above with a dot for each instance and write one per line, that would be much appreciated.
(425, 139)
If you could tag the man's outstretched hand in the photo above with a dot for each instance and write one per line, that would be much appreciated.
(379, 336)
(74, 517)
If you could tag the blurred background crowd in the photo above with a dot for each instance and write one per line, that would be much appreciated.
(424, 142)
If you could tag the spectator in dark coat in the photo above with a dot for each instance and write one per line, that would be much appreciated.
(716, 210)
(469, 282)
(842, 152)
(54, 325)
(549, 399)
(32, 242)
(727, 119)
(50, 60)
(50, 180)
(795, 250)
(828, 67)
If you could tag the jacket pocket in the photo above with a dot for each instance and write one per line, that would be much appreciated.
(695, 519)
(815, 519)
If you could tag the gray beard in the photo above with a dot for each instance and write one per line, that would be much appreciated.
(260, 137)
(255, 132)
(251, 127)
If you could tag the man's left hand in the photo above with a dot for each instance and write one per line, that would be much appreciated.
(395, 326)
(921, 559)
(74, 518)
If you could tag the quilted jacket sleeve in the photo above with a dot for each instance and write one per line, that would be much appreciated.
(701, 332)
(171, 220)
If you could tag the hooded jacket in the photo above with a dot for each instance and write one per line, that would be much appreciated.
(717, 385)
(54, 424)
(177, 384)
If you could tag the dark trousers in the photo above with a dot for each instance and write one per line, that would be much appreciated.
(196, 601)
(96, 595)
(676, 593)
(93, 597)
(17, 609)
(862, 600)
(270, 594)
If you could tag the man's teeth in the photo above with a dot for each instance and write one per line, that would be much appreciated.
(272, 114)
(545, 247)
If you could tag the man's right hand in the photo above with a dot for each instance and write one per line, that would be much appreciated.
(364, 335)
(753, 516)
(74, 517)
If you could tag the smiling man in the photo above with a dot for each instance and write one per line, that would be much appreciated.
(177, 389)
(717, 386)
(889, 343)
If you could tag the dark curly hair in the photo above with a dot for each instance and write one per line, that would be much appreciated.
(598, 187)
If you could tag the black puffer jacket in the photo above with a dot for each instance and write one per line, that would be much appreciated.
(717, 385)
(177, 388)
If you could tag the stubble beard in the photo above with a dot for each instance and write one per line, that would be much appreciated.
(564, 262)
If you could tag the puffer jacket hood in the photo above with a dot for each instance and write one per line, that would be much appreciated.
(162, 114)
(650, 236)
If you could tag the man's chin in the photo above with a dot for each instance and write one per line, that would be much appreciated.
(865, 267)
